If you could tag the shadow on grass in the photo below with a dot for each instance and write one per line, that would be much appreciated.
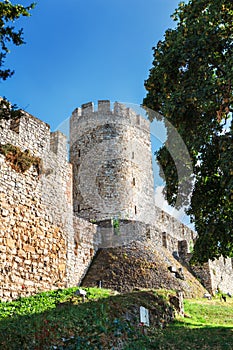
(89, 325)
(176, 337)
(98, 325)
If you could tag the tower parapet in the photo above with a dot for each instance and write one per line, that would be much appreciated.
(111, 155)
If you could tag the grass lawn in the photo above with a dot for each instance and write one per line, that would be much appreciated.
(209, 327)
(60, 320)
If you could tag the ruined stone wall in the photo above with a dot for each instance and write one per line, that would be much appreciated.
(36, 211)
(203, 273)
(112, 162)
(221, 272)
(173, 230)
(214, 275)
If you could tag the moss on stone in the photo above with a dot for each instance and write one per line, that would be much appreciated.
(20, 161)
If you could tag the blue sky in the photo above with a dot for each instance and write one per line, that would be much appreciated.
(78, 51)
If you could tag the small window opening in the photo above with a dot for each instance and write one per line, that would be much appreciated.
(79, 153)
(79, 208)
(135, 209)
(134, 181)
(148, 233)
(132, 155)
(164, 239)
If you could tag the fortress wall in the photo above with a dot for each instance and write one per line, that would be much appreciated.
(35, 208)
(126, 231)
(214, 275)
(27, 132)
(171, 226)
(115, 145)
(221, 272)
(42, 245)
(87, 240)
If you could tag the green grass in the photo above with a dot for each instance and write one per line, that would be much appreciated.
(210, 326)
(206, 313)
(60, 320)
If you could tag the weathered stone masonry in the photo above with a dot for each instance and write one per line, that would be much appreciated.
(112, 163)
(55, 216)
(37, 240)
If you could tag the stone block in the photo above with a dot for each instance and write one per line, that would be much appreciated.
(27, 262)
(29, 283)
(4, 212)
(21, 253)
(10, 243)
(62, 267)
(28, 248)
(18, 259)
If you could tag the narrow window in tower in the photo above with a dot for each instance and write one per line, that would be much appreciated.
(134, 181)
(183, 230)
(79, 209)
(79, 153)
(135, 209)
(132, 155)
(164, 239)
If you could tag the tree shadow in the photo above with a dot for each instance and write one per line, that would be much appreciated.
(97, 325)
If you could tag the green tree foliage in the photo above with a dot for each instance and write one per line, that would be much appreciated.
(190, 84)
(9, 13)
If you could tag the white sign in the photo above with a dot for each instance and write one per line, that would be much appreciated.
(144, 316)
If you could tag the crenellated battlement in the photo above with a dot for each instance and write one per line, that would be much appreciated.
(110, 150)
(117, 114)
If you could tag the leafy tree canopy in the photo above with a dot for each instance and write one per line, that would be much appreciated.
(190, 84)
(9, 13)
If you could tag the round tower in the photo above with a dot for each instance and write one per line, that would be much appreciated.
(112, 163)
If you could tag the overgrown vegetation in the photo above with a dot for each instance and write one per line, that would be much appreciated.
(19, 161)
(60, 320)
(116, 225)
(191, 85)
(9, 34)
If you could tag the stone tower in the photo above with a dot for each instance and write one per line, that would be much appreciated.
(112, 163)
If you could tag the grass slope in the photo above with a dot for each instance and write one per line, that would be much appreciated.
(60, 320)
